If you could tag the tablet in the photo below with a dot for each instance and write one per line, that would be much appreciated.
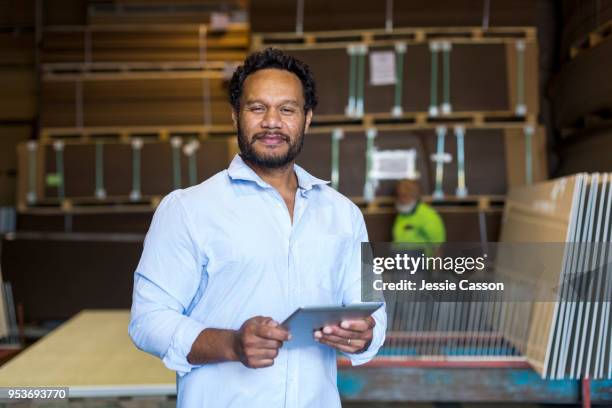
(305, 320)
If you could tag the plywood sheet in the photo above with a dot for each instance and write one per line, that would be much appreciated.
(91, 351)
(567, 335)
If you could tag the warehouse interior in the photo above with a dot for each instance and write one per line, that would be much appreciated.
(505, 107)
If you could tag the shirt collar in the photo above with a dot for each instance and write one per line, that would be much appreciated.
(239, 170)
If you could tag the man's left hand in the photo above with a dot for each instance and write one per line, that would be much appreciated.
(350, 336)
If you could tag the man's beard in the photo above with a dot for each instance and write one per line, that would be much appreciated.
(248, 153)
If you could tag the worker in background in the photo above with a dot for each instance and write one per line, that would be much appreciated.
(416, 222)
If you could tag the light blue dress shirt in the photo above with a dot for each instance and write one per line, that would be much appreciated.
(224, 251)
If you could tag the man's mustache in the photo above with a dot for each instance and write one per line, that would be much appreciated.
(261, 135)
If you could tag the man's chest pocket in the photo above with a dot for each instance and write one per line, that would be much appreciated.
(324, 261)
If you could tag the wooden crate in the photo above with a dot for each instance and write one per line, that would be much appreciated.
(73, 176)
(495, 158)
(161, 96)
(490, 70)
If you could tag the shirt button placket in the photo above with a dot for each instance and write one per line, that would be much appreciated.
(294, 256)
(292, 355)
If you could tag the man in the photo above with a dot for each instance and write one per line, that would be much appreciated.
(227, 260)
(416, 222)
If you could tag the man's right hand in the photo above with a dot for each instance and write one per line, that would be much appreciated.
(258, 340)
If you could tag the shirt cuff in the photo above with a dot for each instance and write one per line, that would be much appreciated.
(378, 338)
(176, 357)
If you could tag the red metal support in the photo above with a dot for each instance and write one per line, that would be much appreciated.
(433, 363)
(586, 393)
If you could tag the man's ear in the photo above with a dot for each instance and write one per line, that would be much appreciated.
(234, 119)
(308, 120)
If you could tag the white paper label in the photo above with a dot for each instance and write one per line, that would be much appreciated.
(382, 68)
(219, 21)
(394, 165)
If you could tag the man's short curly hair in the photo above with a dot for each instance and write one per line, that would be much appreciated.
(273, 58)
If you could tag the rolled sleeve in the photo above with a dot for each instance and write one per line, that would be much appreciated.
(186, 333)
(352, 293)
(166, 281)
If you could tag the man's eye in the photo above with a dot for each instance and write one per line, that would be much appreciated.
(256, 109)
(287, 111)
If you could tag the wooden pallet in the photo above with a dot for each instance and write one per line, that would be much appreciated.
(66, 71)
(125, 134)
(320, 125)
(75, 208)
(472, 203)
(92, 205)
(422, 120)
(383, 204)
(128, 75)
(380, 38)
(591, 40)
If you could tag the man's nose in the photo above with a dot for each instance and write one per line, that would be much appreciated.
(272, 120)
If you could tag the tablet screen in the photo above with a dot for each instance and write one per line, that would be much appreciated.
(305, 320)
